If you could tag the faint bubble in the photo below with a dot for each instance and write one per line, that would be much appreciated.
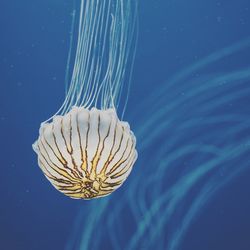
(222, 83)
(72, 13)
(221, 172)
(219, 19)
(242, 21)
(222, 211)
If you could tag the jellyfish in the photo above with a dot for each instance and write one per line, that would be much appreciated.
(85, 150)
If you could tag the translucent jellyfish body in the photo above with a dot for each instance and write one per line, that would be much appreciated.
(86, 153)
(84, 150)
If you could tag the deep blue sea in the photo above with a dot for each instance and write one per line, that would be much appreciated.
(189, 106)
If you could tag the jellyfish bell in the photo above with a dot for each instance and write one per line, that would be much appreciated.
(86, 153)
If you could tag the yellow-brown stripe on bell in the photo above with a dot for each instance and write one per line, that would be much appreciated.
(86, 154)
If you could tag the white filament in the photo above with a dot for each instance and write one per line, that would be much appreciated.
(103, 55)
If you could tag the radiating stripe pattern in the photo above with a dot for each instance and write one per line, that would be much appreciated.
(86, 154)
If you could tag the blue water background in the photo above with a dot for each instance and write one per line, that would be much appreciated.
(33, 53)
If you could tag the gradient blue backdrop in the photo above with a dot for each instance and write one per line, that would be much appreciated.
(34, 42)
